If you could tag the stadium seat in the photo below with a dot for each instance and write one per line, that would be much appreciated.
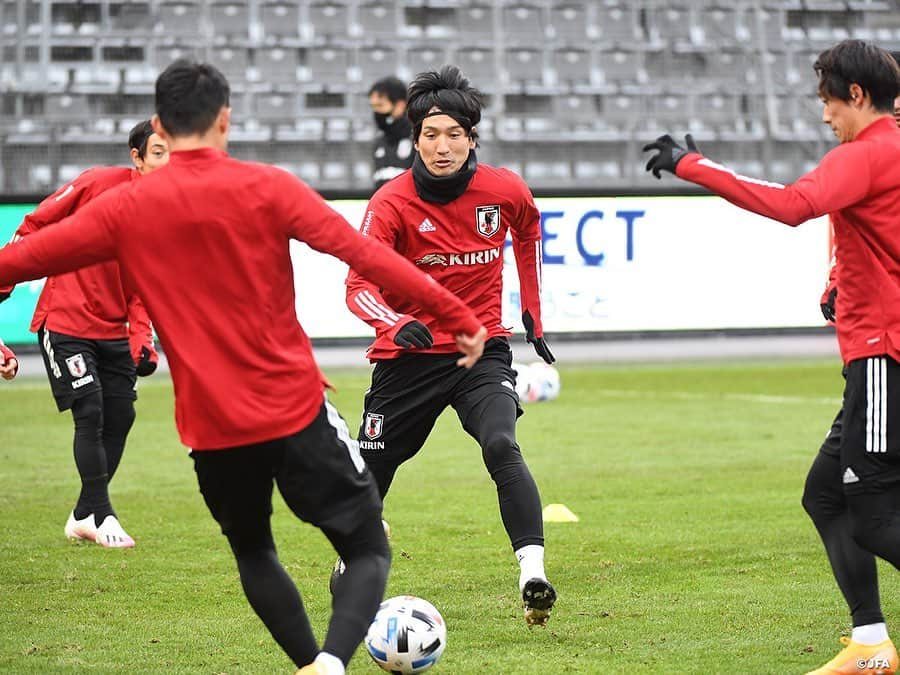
(760, 28)
(277, 66)
(624, 110)
(374, 63)
(719, 26)
(95, 79)
(619, 26)
(62, 107)
(129, 18)
(22, 18)
(421, 59)
(576, 112)
(569, 25)
(329, 20)
(162, 55)
(524, 66)
(378, 22)
(726, 69)
(620, 67)
(480, 65)
(523, 25)
(328, 68)
(230, 21)
(673, 26)
(279, 21)
(233, 62)
(176, 19)
(572, 67)
(476, 25)
(275, 107)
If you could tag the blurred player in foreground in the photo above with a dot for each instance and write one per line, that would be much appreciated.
(95, 338)
(450, 216)
(9, 364)
(213, 267)
(854, 497)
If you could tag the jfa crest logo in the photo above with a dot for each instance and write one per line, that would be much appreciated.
(487, 220)
(374, 425)
(76, 365)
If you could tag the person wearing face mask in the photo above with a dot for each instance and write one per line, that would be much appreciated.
(393, 152)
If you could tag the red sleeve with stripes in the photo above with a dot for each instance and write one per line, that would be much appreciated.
(840, 180)
(83, 239)
(526, 239)
(364, 298)
(53, 209)
(311, 220)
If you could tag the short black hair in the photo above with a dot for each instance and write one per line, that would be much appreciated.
(392, 87)
(859, 62)
(189, 96)
(896, 56)
(138, 137)
(449, 91)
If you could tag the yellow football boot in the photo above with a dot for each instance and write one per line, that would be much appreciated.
(857, 659)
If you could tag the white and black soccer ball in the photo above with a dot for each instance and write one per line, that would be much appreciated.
(408, 635)
(536, 382)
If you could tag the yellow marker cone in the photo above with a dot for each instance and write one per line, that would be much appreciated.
(559, 513)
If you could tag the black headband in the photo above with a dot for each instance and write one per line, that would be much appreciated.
(463, 121)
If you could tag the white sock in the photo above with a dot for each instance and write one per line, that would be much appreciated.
(333, 665)
(531, 563)
(870, 634)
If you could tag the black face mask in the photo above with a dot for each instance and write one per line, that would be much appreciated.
(442, 189)
(382, 120)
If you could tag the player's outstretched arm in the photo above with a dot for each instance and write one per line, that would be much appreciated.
(809, 197)
(86, 238)
(9, 364)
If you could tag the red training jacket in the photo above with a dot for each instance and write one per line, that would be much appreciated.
(90, 303)
(460, 245)
(205, 242)
(858, 184)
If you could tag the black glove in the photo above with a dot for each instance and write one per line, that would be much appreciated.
(827, 307)
(147, 365)
(670, 153)
(540, 345)
(414, 334)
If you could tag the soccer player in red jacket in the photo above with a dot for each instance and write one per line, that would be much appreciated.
(853, 496)
(95, 337)
(213, 267)
(450, 216)
(9, 364)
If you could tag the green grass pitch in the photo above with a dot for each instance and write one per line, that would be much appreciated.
(692, 554)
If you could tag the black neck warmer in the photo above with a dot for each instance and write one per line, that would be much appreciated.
(442, 189)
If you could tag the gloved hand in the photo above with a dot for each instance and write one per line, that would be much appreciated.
(414, 335)
(146, 364)
(540, 345)
(827, 303)
(670, 153)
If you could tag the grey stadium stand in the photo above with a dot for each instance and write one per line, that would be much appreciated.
(574, 86)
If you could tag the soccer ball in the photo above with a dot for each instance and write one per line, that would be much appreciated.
(536, 382)
(407, 636)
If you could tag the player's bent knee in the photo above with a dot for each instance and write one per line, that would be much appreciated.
(500, 449)
(248, 542)
(87, 411)
(366, 540)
